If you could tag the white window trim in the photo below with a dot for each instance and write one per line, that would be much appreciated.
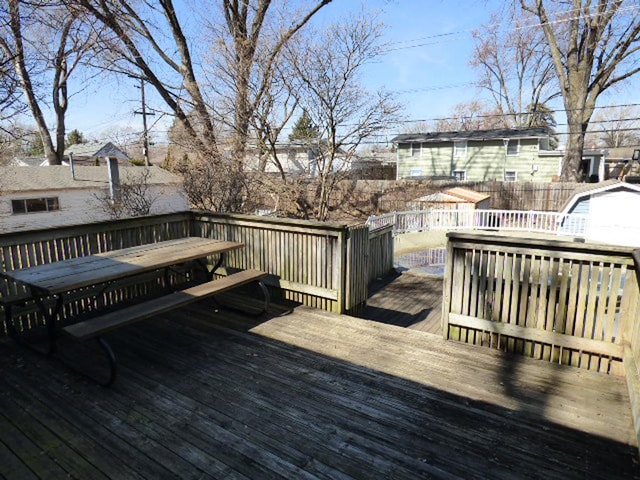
(464, 175)
(517, 149)
(459, 148)
(515, 175)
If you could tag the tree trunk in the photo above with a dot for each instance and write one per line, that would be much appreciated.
(571, 171)
(25, 81)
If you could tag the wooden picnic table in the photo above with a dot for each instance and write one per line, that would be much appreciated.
(55, 280)
(59, 277)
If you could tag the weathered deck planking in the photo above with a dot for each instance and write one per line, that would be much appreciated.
(204, 393)
(407, 300)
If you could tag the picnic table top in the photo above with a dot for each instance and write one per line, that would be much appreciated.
(65, 275)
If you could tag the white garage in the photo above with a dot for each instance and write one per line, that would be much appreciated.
(613, 208)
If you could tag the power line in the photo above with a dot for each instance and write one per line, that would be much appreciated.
(445, 36)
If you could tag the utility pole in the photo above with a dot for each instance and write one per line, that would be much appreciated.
(143, 112)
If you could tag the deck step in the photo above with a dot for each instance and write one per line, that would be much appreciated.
(97, 326)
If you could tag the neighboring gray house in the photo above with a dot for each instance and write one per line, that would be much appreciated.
(42, 197)
(507, 154)
(296, 159)
(93, 153)
(612, 207)
(89, 153)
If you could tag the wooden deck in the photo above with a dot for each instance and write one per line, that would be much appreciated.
(205, 393)
(407, 300)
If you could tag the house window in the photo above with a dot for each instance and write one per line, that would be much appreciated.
(33, 205)
(510, 176)
(460, 148)
(513, 147)
(415, 149)
(544, 143)
(460, 175)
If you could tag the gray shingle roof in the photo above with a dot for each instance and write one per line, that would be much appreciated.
(111, 151)
(95, 149)
(57, 177)
(495, 134)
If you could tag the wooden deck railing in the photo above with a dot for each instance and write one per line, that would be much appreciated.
(564, 302)
(324, 265)
(321, 264)
(380, 252)
(632, 354)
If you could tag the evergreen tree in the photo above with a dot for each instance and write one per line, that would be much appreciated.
(34, 146)
(304, 130)
(75, 137)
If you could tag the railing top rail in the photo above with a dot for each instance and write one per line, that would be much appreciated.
(57, 232)
(450, 219)
(454, 211)
(550, 243)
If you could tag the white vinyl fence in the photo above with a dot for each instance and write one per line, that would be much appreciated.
(504, 220)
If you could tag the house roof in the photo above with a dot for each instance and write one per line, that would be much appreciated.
(591, 188)
(479, 135)
(58, 177)
(87, 149)
(95, 149)
(111, 151)
(621, 153)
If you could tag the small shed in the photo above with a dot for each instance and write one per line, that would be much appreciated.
(612, 208)
(457, 198)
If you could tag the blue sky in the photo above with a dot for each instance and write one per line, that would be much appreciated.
(429, 73)
(427, 66)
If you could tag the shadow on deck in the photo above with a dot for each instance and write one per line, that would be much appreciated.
(406, 300)
(205, 393)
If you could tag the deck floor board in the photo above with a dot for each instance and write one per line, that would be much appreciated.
(207, 393)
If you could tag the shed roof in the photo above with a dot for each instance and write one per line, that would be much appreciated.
(467, 194)
(481, 135)
(455, 195)
(58, 177)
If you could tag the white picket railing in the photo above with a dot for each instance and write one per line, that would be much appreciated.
(504, 220)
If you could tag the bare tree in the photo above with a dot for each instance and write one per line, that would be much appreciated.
(469, 116)
(615, 127)
(135, 196)
(344, 113)
(149, 42)
(10, 104)
(254, 59)
(152, 43)
(45, 43)
(515, 67)
(594, 46)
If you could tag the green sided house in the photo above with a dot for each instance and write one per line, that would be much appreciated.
(509, 154)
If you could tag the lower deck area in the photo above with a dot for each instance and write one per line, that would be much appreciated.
(303, 394)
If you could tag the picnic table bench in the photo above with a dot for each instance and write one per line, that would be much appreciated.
(54, 281)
